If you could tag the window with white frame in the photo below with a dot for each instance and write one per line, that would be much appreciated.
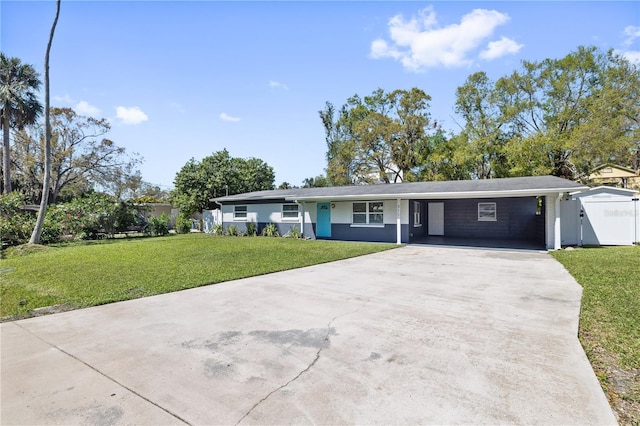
(487, 212)
(417, 215)
(368, 213)
(290, 211)
(239, 212)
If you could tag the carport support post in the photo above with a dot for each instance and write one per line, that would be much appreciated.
(398, 223)
(553, 236)
(557, 232)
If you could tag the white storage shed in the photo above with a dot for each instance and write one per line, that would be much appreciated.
(600, 216)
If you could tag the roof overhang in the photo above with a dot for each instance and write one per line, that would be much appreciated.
(498, 188)
(442, 195)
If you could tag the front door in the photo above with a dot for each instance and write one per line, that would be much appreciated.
(436, 218)
(323, 228)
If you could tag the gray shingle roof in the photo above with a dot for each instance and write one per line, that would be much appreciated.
(464, 188)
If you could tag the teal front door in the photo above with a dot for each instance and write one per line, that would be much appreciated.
(323, 228)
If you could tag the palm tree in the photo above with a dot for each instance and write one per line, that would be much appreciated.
(19, 105)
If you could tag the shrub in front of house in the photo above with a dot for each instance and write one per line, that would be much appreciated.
(183, 224)
(217, 229)
(15, 224)
(158, 225)
(270, 230)
(233, 231)
(293, 233)
(252, 229)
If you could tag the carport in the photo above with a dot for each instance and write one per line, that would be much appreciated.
(507, 221)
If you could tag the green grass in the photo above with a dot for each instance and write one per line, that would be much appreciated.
(610, 320)
(96, 273)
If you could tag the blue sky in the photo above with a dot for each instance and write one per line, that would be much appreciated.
(185, 79)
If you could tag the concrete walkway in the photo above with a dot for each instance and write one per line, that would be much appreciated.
(416, 335)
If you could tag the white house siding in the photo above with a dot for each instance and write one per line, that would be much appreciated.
(342, 227)
(310, 215)
(341, 218)
(261, 215)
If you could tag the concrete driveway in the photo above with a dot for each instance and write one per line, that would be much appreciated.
(416, 335)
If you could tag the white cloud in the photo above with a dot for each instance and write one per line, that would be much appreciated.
(84, 108)
(177, 107)
(226, 117)
(131, 115)
(632, 56)
(421, 43)
(632, 33)
(66, 99)
(278, 85)
(496, 49)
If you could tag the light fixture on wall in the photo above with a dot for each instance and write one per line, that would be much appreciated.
(333, 205)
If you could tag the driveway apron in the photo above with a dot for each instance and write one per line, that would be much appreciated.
(414, 335)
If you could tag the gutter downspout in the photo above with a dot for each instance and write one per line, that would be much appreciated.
(301, 217)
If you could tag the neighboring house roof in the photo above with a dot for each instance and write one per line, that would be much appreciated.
(606, 171)
(481, 188)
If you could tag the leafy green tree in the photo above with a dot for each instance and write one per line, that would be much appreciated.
(376, 138)
(374, 133)
(81, 158)
(341, 146)
(575, 112)
(556, 116)
(285, 185)
(217, 175)
(445, 158)
(477, 102)
(413, 123)
(19, 105)
(315, 182)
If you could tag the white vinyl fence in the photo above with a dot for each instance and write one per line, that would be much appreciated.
(211, 218)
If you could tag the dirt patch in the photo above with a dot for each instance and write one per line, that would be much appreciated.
(623, 392)
(621, 386)
(38, 312)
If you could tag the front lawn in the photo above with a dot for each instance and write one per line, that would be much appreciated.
(96, 273)
(610, 320)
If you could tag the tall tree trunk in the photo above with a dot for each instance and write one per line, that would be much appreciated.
(6, 159)
(37, 230)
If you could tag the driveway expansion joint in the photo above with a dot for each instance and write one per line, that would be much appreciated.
(177, 417)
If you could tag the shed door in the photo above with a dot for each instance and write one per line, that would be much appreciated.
(607, 222)
(436, 218)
